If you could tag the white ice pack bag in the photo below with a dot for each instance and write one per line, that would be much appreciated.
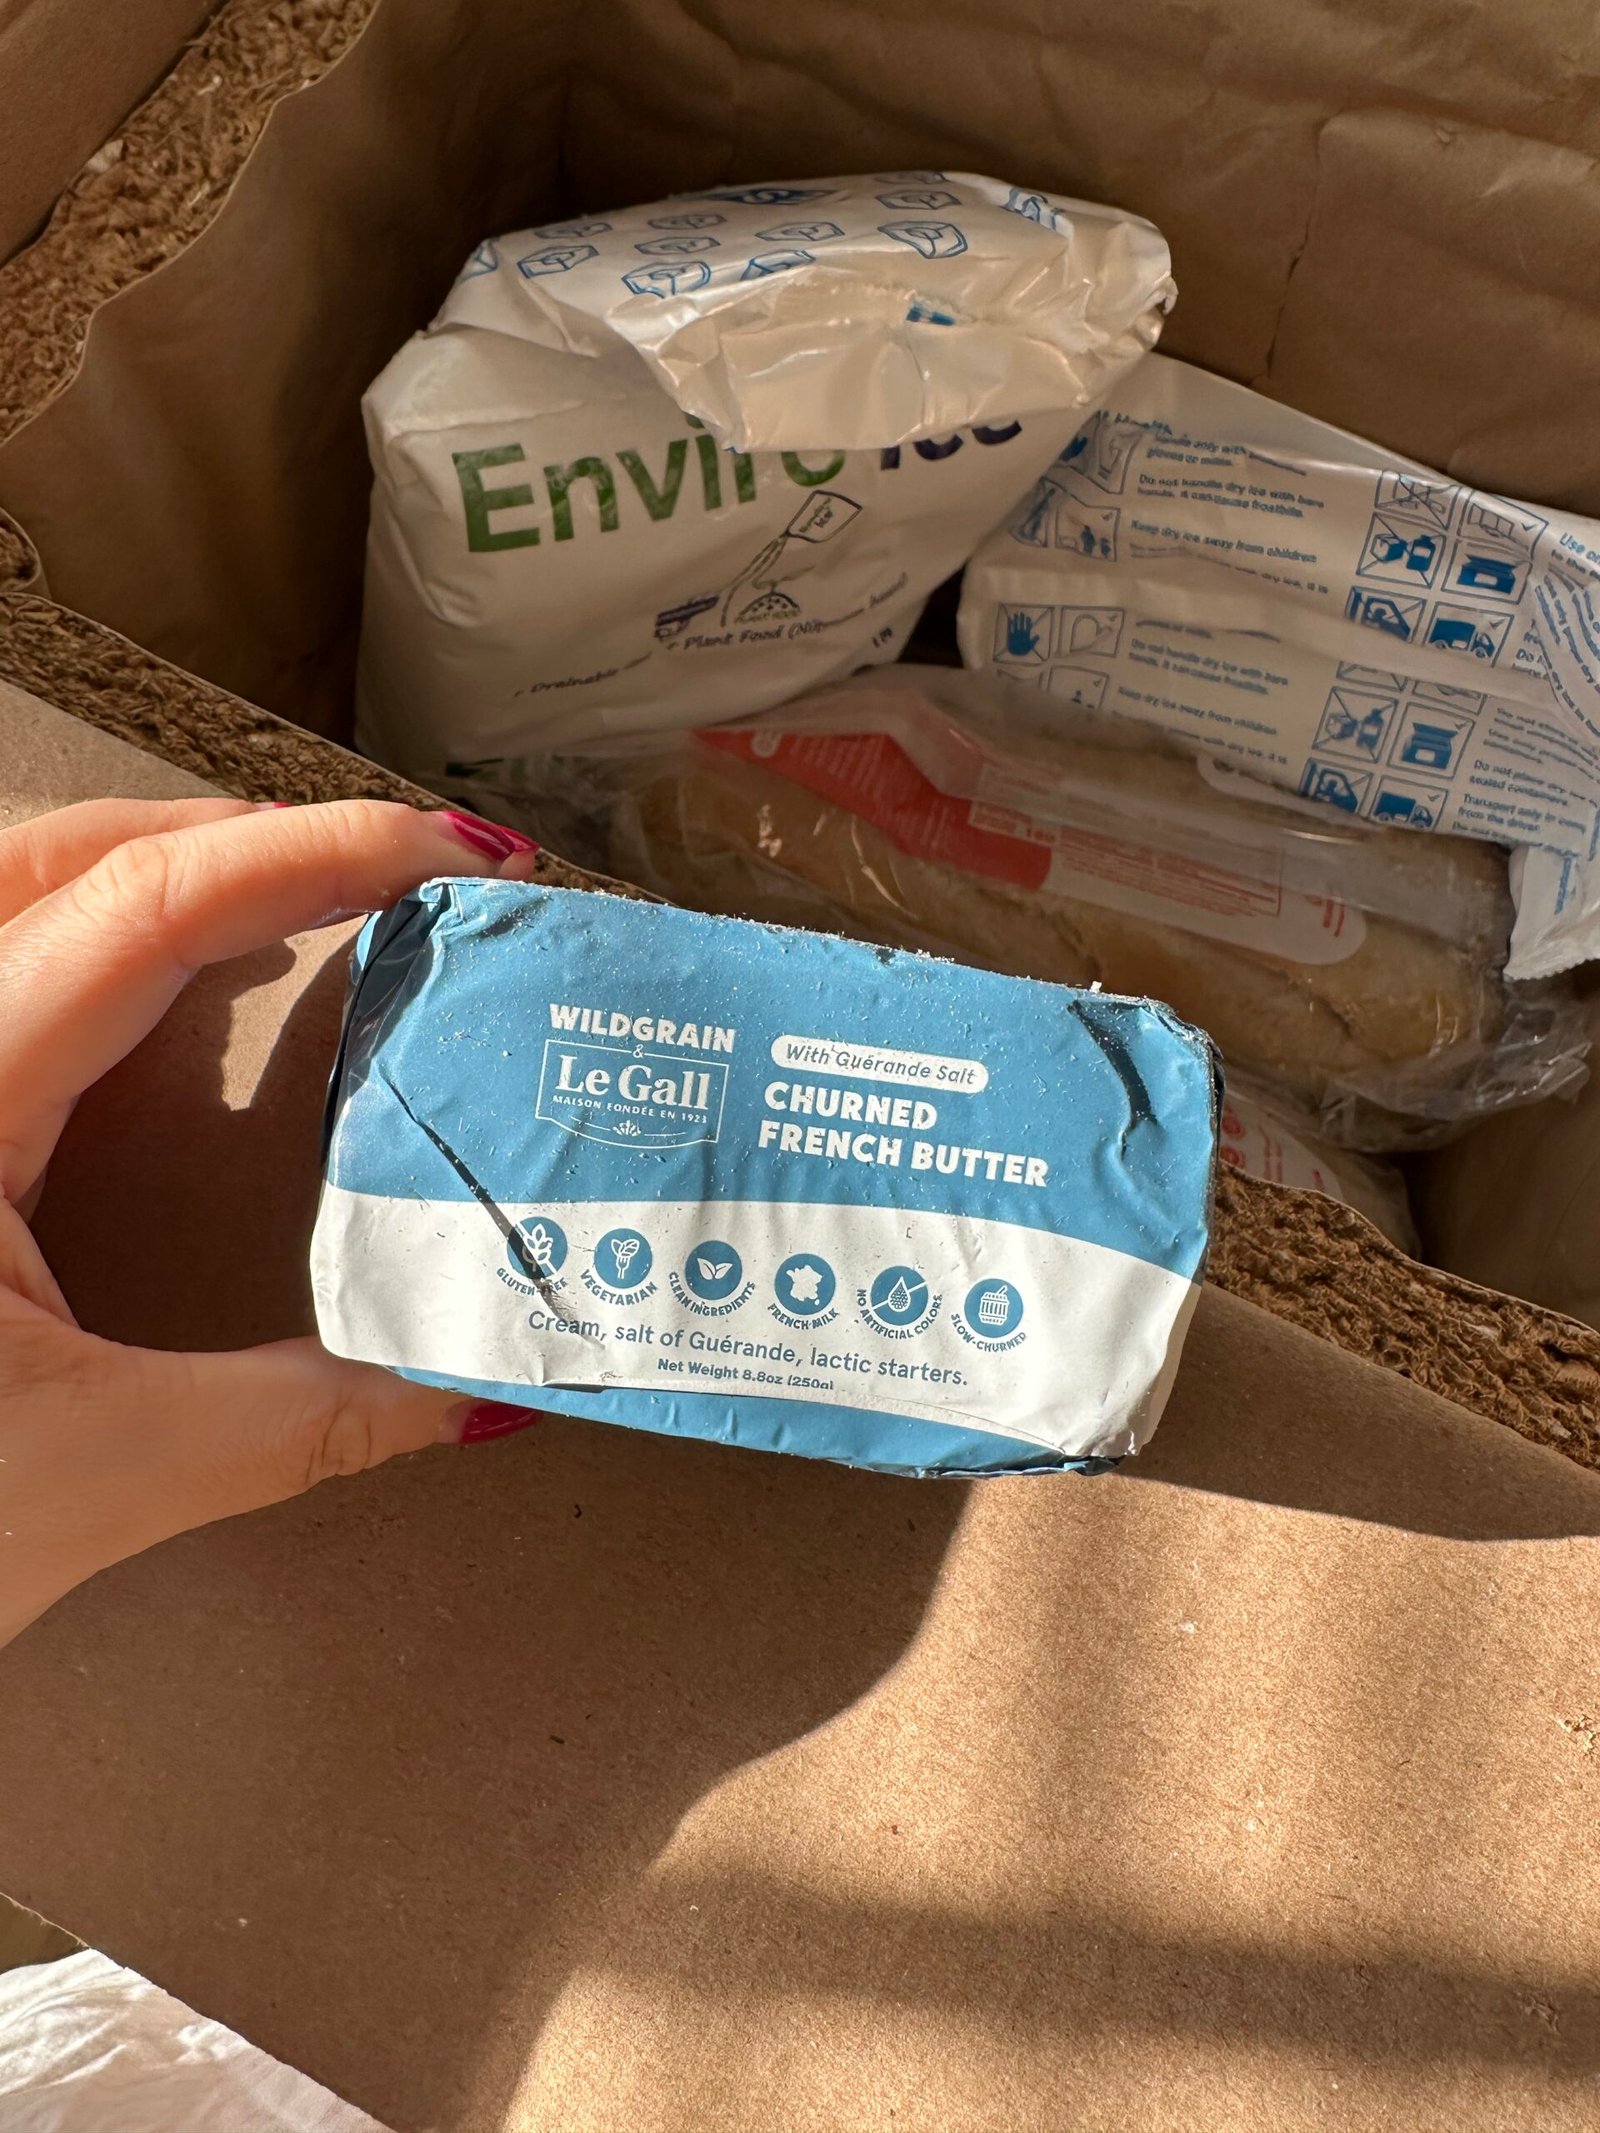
(650, 468)
(1342, 621)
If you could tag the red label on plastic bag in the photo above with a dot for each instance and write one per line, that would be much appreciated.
(872, 776)
(1235, 893)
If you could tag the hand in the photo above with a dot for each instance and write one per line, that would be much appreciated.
(106, 911)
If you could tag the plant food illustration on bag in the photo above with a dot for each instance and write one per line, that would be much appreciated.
(782, 561)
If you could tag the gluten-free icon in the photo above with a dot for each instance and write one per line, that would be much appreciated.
(537, 1248)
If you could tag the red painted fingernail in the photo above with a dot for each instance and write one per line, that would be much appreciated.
(494, 1418)
(491, 840)
(263, 807)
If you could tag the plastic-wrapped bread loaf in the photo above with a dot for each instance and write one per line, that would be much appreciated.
(1259, 1134)
(714, 830)
(1358, 969)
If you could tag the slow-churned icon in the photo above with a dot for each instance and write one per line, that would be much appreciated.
(993, 1309)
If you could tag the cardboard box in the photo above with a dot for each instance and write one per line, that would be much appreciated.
(111, 57)
(592, 1781)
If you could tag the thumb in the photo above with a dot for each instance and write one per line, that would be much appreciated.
(233, 1432)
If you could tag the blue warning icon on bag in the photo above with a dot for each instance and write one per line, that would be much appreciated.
(1409, 807)
(1022, 635)
(1096, 631)
(1432, 739)
(555, 259)
(1032, 207)
(1038, 516)
(1420, 497)
(1428, 745)
(666, 281)
(921, 196)
(1084, 686)
(1389, 612)
(1335, 786)
(1355, 724)
(1503, 524)
(1479, 632)
(934, 240)
(1477, 569)
(768, 195)
(1395, 549)
(1090, 529)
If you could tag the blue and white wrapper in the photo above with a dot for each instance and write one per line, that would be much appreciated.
(766, 1187)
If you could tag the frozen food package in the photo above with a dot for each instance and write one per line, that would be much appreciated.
(1263, 1135)
(1356, 968)
(762, 1186)
(1329, 616)
(679, 461)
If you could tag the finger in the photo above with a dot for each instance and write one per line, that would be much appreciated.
(88, 971)
(23, 1270)
(109, 1450)
(208, 1436)
(42, 855)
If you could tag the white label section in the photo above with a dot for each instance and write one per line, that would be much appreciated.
(986, 1325)
(880, 1062)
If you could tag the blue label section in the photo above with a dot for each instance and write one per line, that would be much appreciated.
(512, 1043)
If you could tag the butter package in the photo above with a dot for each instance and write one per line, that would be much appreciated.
(767, 1187)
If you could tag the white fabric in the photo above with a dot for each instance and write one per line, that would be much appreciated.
(88, 2047)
